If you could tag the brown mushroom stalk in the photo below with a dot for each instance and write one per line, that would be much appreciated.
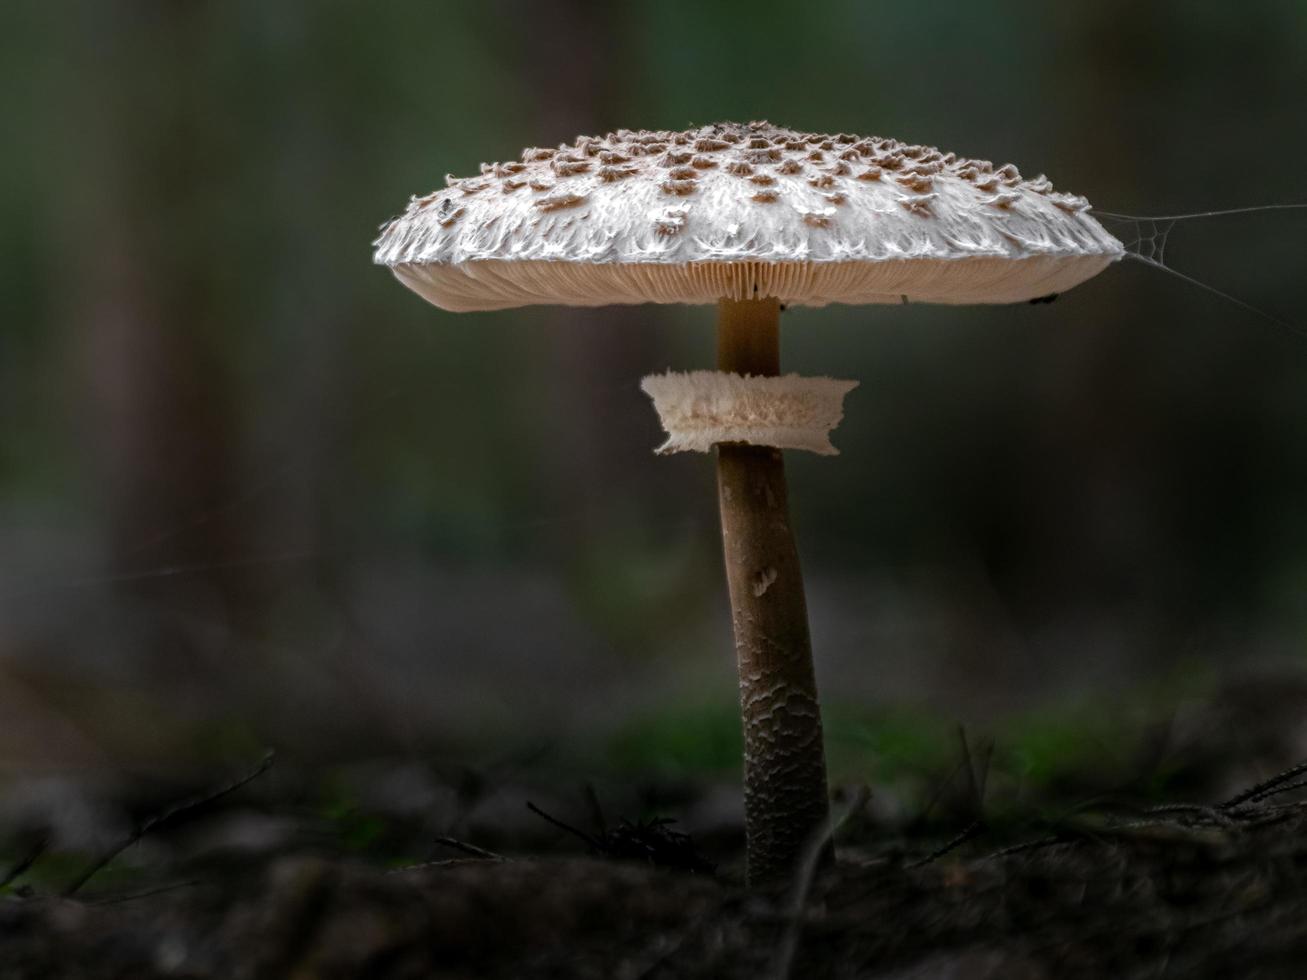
(785, 798)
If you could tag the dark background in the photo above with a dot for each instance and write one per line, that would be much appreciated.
(253, 492)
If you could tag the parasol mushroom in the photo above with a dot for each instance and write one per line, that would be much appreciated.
(749, 217)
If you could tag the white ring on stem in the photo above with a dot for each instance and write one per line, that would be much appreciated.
(700, 409)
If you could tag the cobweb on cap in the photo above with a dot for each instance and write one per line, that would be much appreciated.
(1149, 236)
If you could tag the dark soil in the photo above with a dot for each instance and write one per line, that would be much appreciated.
(285, 872)
(1205, 896)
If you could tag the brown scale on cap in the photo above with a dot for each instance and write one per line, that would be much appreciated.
(679, 187)
(679, 162)
(559, 201)
(1071, 203)
(610, 174)
(916, 182)
(448, 215)
(569, 168)
(918, 205)
(670, 222)
(709, 145)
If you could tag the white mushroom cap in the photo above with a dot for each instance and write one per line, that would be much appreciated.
(739, 211)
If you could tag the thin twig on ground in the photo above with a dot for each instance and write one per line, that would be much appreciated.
(576, 832)
(171, 813)
(789, 943)
(1244, 810)
(937, 792)
(148, 893)
(32, 855)
(1031, 845)
(596, 809)
(1264, 788)
(1280, 790)
(431, 865)
(970, 832)
(470, 849)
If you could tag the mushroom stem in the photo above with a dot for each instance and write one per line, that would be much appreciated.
(785, 798)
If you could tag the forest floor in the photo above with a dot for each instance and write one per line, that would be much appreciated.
(405, 874)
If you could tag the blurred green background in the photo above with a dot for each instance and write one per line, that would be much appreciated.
(254, 492)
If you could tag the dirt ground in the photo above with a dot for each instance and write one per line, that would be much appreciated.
(1181, 852)
(1216, 904)
(1185, 891)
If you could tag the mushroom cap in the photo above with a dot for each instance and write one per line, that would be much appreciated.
(738, 211)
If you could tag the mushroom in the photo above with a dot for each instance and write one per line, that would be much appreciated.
(761, 218)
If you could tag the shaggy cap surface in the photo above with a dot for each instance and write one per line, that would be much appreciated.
(738, 211)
